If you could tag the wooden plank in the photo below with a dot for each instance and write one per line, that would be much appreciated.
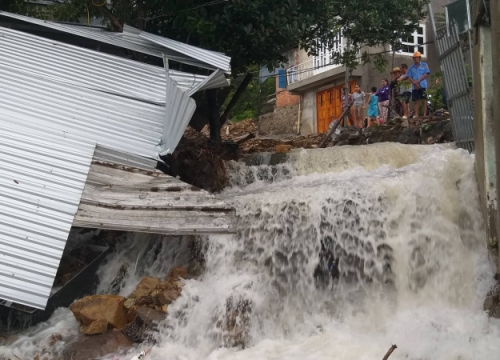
(129, 199)
(151, 199)
(165, 222)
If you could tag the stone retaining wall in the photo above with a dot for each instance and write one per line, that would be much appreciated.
(282, 121)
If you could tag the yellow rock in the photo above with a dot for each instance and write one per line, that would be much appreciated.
(96, 327)
(145, 287)
(101, 307)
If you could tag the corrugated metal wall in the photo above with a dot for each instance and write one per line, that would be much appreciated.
(80, 113)
(41, 182)
(456, 85)
(92, 69)
(179, 110)
(136, 40)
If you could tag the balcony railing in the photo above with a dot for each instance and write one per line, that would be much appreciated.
(306, 70)
(300, 72)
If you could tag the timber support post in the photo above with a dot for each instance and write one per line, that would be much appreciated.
(335, 125)
(241, 89)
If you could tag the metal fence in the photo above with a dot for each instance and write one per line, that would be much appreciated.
(456, 85)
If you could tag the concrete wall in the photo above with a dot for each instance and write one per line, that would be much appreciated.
(308, 124)
(484, 123)
(495, 53)
(282, 121)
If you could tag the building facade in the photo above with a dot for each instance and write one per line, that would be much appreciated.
(314, 84)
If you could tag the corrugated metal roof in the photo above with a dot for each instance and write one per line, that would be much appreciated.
(215, 59)
(104, 154)
(41, 182)
(94, 34)
(192, 83)
(59, 88)
(48, 106)
(136, 40)
(179, 110)
(91, 69)
(132, 37)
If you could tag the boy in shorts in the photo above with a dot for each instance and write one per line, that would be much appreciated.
(404, 91)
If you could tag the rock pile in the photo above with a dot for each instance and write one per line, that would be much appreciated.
(421, 131)
(113, 322)
(143, 310)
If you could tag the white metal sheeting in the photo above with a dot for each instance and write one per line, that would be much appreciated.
(174, 49)
(104, 155)
(81, 67)
(63, 89)
(41, 182)
(218, 60)
(179, 110)
(132, 37)
(79, 113)
(89, 33)
(91, 69)
(136, 40)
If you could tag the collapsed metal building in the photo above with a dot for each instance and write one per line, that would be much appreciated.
(81, 132)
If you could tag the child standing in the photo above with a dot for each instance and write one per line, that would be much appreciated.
(358, 98)
(373, 106)
(383, 99)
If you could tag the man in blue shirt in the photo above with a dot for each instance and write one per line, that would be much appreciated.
(417, 74)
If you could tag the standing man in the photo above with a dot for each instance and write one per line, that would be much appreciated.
(417, 74)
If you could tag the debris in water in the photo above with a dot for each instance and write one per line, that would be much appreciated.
(390, 351)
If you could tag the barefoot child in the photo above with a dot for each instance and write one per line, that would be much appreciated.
(372, 106)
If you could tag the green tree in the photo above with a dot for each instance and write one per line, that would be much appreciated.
(253, 32)
(251, 102)
(376, 23)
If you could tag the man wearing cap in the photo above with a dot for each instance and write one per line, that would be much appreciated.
(417, 74)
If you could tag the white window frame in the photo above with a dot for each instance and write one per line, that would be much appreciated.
(415, 46)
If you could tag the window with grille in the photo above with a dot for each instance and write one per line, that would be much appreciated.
(414, 42)
(325, 55)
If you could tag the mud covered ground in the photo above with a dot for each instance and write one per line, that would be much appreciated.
(199, 163)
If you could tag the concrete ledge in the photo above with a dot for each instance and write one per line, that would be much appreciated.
(320, 79)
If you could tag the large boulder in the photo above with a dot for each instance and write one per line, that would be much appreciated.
(149, 317)
(168, 296)
(145, 287)
(145, 321)
(169, 290)
(101, 307)
(96, 327)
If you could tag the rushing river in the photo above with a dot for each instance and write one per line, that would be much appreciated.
(340, 253)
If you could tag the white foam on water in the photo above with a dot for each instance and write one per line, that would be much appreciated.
(404, 228)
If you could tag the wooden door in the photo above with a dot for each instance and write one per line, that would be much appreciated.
(329, 105)
(324, 105)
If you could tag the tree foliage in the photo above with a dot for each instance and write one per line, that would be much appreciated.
(251, 102)
(368, 23)
(249, 31)
(252, 32)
